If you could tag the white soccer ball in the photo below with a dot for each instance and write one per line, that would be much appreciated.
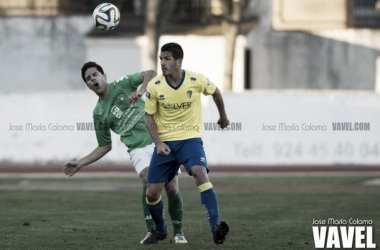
(106, 16)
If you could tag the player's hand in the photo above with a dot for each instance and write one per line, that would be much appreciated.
(163, 149)
(134, 97)
(223, 122)
(71, 168)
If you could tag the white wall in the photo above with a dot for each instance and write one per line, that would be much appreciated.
(202, 54)
(117, 56)
(42, 54)
(250, 146)
(318, 108)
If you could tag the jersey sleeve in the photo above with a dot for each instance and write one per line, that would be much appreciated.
(151, 99)
(208, 87)
(103, 133)
(130, 81)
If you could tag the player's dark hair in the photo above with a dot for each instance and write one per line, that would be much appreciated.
(88, 65)
(175, 48)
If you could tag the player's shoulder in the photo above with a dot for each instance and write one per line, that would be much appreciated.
(120, 80)
(194, 76)
(157, 81)
(196, 79)
(193, 73)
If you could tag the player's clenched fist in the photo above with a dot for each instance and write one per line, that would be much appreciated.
(71, 168)
(134, 97)
(223, 122)
(163, 149)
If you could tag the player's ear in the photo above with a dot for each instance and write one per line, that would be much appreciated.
(179, 62)
(105, 76)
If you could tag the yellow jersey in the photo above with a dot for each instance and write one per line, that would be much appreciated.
(178, 110)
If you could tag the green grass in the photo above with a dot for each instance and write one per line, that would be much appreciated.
(263, 213)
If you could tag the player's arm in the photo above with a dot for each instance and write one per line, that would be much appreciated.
(74, 166)
(146, 77)
(218, 99)
(103, 136)
(162, 148)
(151, 108)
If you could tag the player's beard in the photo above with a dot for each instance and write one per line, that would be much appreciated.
(165, 72)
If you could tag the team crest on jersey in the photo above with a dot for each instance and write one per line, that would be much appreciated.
(121, 98)
(157, 82)
(193, 79)
(189, 93)
(161, 97)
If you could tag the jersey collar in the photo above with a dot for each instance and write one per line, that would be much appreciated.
(180, 84)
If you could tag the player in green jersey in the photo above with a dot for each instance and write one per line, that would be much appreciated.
(121, 110)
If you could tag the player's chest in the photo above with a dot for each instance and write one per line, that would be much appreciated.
(119, 108)
(180, 99)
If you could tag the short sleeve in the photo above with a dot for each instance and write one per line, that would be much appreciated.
(151, 99)
(130, 81)
(208, 87)
(103, 133)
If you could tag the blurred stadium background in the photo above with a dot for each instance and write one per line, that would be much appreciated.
(306, 64)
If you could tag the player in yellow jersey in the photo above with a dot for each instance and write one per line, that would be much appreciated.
(173, 116)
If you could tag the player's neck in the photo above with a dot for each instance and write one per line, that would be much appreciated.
(175, 78)
(104, 94)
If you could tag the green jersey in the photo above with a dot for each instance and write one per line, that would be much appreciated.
(117, 114)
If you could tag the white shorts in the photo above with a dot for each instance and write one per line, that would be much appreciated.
(141, 157)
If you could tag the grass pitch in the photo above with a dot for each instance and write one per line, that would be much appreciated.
(105, 213)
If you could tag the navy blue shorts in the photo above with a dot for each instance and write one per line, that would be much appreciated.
(188, 152)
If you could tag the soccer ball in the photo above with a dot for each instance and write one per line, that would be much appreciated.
(106, 16)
